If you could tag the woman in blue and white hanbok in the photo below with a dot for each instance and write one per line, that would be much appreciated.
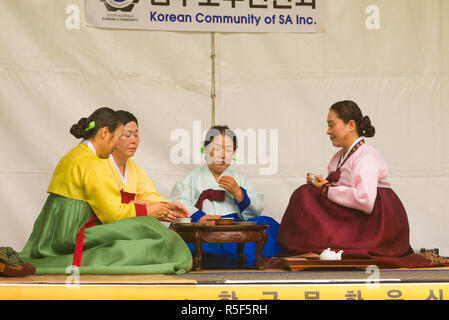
(215, 191)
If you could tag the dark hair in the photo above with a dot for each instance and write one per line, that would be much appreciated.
(100, 118)
(220, 130)
(348, 110)
(126, 117)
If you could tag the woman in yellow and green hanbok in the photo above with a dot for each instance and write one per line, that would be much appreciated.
(132, 181)
(84, 222)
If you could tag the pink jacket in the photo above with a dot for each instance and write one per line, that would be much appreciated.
(361, 175)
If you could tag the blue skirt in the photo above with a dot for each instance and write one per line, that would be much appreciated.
(224, 255)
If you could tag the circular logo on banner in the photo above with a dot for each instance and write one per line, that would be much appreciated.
(122, 5)
(119, 4)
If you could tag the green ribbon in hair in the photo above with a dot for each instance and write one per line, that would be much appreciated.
(91, 126)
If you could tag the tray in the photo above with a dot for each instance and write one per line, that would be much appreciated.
(298, 264)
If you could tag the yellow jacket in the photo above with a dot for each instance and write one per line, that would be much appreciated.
(137, 181)
(82, 175)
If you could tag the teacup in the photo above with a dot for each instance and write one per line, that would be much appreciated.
(313, 176)
(183, 220)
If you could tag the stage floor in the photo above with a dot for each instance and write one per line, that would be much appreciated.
(237, 284)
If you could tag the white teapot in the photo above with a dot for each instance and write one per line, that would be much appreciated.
(328, 254)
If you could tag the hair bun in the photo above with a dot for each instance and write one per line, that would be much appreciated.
(367, 129)
(77, 130)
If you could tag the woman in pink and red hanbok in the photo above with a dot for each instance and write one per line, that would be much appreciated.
(354, 209)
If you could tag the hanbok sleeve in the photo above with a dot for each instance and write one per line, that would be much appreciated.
(146, 189)
(362, 192)
(102, 195)
(252, 204)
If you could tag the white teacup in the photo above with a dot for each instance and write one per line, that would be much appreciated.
(312, 177)
(183, 220)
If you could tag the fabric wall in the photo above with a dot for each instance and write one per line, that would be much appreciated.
(52, 74)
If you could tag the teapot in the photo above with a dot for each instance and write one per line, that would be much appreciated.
(328, 254)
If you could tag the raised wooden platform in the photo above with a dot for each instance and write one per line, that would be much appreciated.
(241, 284)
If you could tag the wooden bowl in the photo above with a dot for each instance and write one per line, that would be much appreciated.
(224, 222)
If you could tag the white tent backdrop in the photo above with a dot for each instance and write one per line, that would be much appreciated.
(52, 74)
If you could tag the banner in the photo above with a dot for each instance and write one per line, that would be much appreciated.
(305, 16)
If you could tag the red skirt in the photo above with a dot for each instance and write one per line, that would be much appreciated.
(312, 223)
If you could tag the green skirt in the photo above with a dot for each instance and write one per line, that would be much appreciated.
(140, 245)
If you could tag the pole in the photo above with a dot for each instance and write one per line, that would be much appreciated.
(213, 95)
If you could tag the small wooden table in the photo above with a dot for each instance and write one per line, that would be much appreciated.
(235, 233)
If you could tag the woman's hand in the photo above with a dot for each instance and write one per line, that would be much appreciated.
(208, 216)
(229, 184)
(164, 211)
(159, 210)
(176, 210)
(318, 182)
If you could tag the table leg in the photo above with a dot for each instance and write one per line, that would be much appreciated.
(240, 256)
(198, 257)
(259, 246)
